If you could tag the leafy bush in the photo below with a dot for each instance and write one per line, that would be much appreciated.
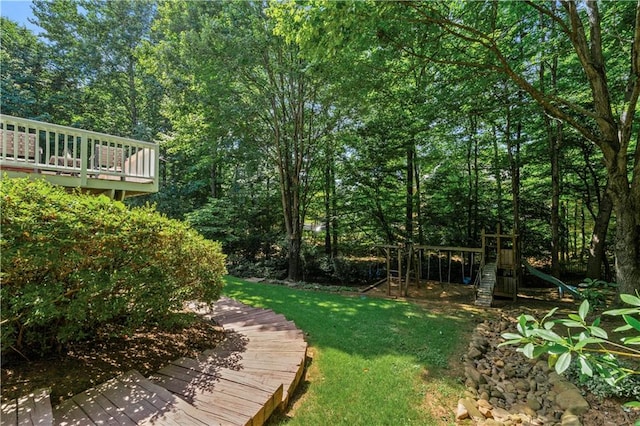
(243, 227)
(597, 292)
(72, 263)
(627, 387)
(595, 357)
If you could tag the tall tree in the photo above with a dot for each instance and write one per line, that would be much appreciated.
(270, 100)
(606, 117)
(30, 86)
(95, 43)
(599, 103)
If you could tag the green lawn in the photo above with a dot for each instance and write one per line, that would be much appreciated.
(375, 361)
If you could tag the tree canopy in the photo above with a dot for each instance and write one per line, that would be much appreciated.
(317, 129)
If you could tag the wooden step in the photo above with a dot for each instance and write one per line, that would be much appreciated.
(242, 381)
(32, 409)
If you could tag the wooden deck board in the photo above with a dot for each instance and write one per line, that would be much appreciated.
(247, 313)
(229, 412)
(218, 387)
(32, 409)
(9, 412)
(222, 373)
(241, 381)
(252, 326)
(132, 404)
(70, 414)
(254, 354)
(99, 409)
(180, 410)
(250, 393)
(26, 407)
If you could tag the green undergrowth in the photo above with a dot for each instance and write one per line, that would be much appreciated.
(374, 361)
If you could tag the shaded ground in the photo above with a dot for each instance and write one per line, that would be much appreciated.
(86, 365)
(89, 364)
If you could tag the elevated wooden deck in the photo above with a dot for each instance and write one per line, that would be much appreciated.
(240, 382)
(75, 158)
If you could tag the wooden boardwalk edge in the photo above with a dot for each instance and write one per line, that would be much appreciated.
(227, 385)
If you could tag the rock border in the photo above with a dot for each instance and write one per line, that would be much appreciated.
(506, 388)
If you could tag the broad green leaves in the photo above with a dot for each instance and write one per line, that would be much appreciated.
(591, 345)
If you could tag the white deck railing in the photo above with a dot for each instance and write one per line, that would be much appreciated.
(95, 160)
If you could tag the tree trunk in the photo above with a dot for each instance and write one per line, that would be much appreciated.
(294, 258)
(626, 204)
(598, 246)
(470, 189)
(291, 207)
(614, 137)
(409, 186)
(418, 197)
(514, 163)
(133, 97)
(497, 174)
(216, 188)
(334, 213)
(554, 137)
(554, 150)
(476, 197)
(574, 235)
(583, 233)
(327, 210)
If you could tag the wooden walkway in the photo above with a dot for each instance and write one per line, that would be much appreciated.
(242, 381)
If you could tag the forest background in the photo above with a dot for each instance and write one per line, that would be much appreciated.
(302, 134)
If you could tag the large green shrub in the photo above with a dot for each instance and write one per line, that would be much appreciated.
(72, 263)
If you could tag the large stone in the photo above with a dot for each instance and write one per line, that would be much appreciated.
(496, 393)
(522, 418)
(543, 366)
(509, 371)
(572, 401)
(533, 403)
(522, 385)
(492, 422)
(480, 342)
(500, 414)
(554, 377)
(467, 408)
(561, 386)
(569, 419)
(474, 353)
(486, 412)
(475, 375)
(522, 408)
(461, 412)
(525, 369)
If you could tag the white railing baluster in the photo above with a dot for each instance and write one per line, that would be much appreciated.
(75, 157)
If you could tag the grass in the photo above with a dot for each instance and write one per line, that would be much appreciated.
(374, 361)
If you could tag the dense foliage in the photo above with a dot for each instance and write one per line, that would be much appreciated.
(72, 263)
(289, 128)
